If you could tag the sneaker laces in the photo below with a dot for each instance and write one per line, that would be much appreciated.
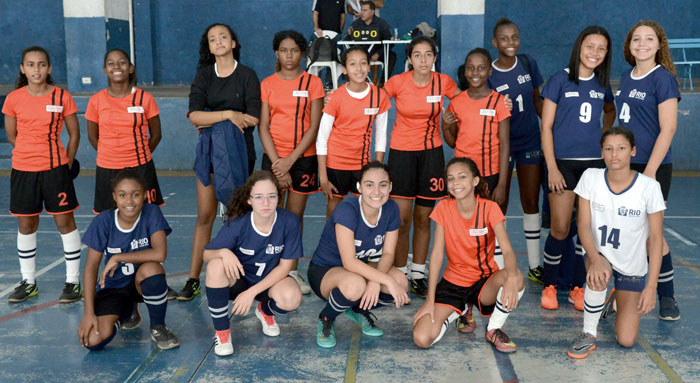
(222, 337)
(327, 326)
(22, 285)
(68, 288)
(269, 319)
(501, 336)
(369, 317)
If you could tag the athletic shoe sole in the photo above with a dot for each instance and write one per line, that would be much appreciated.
(581, 356)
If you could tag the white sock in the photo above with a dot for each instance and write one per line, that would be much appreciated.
(593, 302)
(500, 314)
(445, 325)
(71, 252)
(26, 250)
(404, 269)
(531, 226)
(417, 271)
(498, 257)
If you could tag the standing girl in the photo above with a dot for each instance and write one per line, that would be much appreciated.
(292, 103)
(518, 76)
(471, 276)
(222, 90)
(41, 168)
(251, 258)
(416, 159)
(648, 103)
(133, 239)
(124, 127)
(574, 99)
(345, 132)
(352, 267)
(620, 211)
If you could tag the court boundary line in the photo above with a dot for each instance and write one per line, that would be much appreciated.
(505, 366)
(28, 310)
(679, 236)
(353, 355)
(660, 362)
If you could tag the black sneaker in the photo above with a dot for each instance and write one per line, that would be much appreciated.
(23, 292)
(165, 340)
(172, 294)
(134, 320)
(71, 293)
(668, 309)
(190, 290)
(419, 287)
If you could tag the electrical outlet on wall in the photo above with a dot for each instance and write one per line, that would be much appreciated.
(87, 80)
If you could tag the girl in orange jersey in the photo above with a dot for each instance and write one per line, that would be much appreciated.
(471, 276)
(41, 168)
(124, 128)
(416, 158)
(345, 132)
(292, 103)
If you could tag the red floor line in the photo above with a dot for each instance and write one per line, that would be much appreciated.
(28, 310)
(687, 265)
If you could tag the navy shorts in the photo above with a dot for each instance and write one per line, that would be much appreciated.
(315, 276)
(663, 175)
(117, 301)
(572, 170)
(242, 285)
(629, 282)
(526, 157)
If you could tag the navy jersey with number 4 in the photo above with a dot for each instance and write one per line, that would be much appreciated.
(519, 85)
(106, 236)
(369, 240)
(577, 124)
(260, 252)
(638, 100)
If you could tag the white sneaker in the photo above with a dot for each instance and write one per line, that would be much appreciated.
(305, 288)
(269, 325)
(223, 347)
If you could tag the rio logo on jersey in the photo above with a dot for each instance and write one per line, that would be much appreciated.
(274, 249)
(523, 79)
(139, 243)
(378, 240)
(625, 212)
(595, 94)
(634, 93)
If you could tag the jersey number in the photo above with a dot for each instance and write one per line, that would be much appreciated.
(128, 268)
(613, 238)
(307, 180)
(585, 113)
(438, 184)
(519, 100)
(151, 195)
(63, 201)
(625, 113)
(261, 268)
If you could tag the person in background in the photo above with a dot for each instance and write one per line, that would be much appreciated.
(369, 27)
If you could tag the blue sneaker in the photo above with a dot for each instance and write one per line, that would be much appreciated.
(366, 322)
(325, 333)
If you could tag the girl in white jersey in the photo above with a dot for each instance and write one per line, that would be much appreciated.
(618, 210)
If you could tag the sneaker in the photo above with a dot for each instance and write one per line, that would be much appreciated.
(668, 309)
(549, 298)
(190, 290)
(269, 326)
(23, 292)
(365, 320)
(305, 288)
(165, 340)
(71, 293)
(222, 343)
(466, 323)
(325, 333)
(609, 306)
(172, 294)
(576, 297)
(419, 287)
(500, 340)
(536, 275)
(134, 320)
(582, 346)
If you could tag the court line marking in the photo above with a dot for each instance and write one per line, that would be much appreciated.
(679, 236)
(660, 362)
(505, 366)
(28, 310)
(683, 261)
(353, 355)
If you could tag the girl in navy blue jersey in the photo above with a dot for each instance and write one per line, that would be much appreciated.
(132, 239)
(574, 100)
(251, 258)
(647, 101)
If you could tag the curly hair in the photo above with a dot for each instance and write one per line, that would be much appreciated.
(205, 56)
(482, 189)
(298, 39)
(663, 54)
(21, 77)
(238, 204)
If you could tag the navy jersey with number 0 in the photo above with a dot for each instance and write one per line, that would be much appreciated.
(577, 124)
(106, 236)
(369, 240)
(638, 100)
(519, 85)
(259, 252)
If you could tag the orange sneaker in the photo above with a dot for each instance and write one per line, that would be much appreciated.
(576, 297)
(549, 298)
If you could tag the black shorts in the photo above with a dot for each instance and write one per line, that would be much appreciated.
(304, 173)
(572, 170)
(418, 174)
(31, 192)
(103, 186)
(663, 175)
(315, 276)
(117, 301)
(344, 181)
(240, 286)
(491, 182)
(457, 297)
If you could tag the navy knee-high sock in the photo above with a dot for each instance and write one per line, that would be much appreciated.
(553, 251)
(154, 290)
(102, 344)
(665, 286)
(337, 304)
(384, 300)
(218, 307)
(579, 265)
(269, 307)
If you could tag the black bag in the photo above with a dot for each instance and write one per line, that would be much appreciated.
(323, 49)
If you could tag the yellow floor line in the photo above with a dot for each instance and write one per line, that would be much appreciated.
(353, 355)
(668, 371)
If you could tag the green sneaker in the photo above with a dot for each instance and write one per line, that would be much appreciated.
(190, 290)
(366, 322)
(71, 293)
(325, 333)
(23, 292)
(536, 275)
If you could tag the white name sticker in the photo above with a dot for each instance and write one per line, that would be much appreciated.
(487, 112)
(617, 93)
(114, 250)
(502, 88)
(358, 242)
(371, 111)
(478, 232)
(300, 93)
(571, 94)
(246, 251)
(54, 108)
(598, 207)
(135, 109)
(433, 99)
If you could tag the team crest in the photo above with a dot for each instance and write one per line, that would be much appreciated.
(378, 240)
(138, 243)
